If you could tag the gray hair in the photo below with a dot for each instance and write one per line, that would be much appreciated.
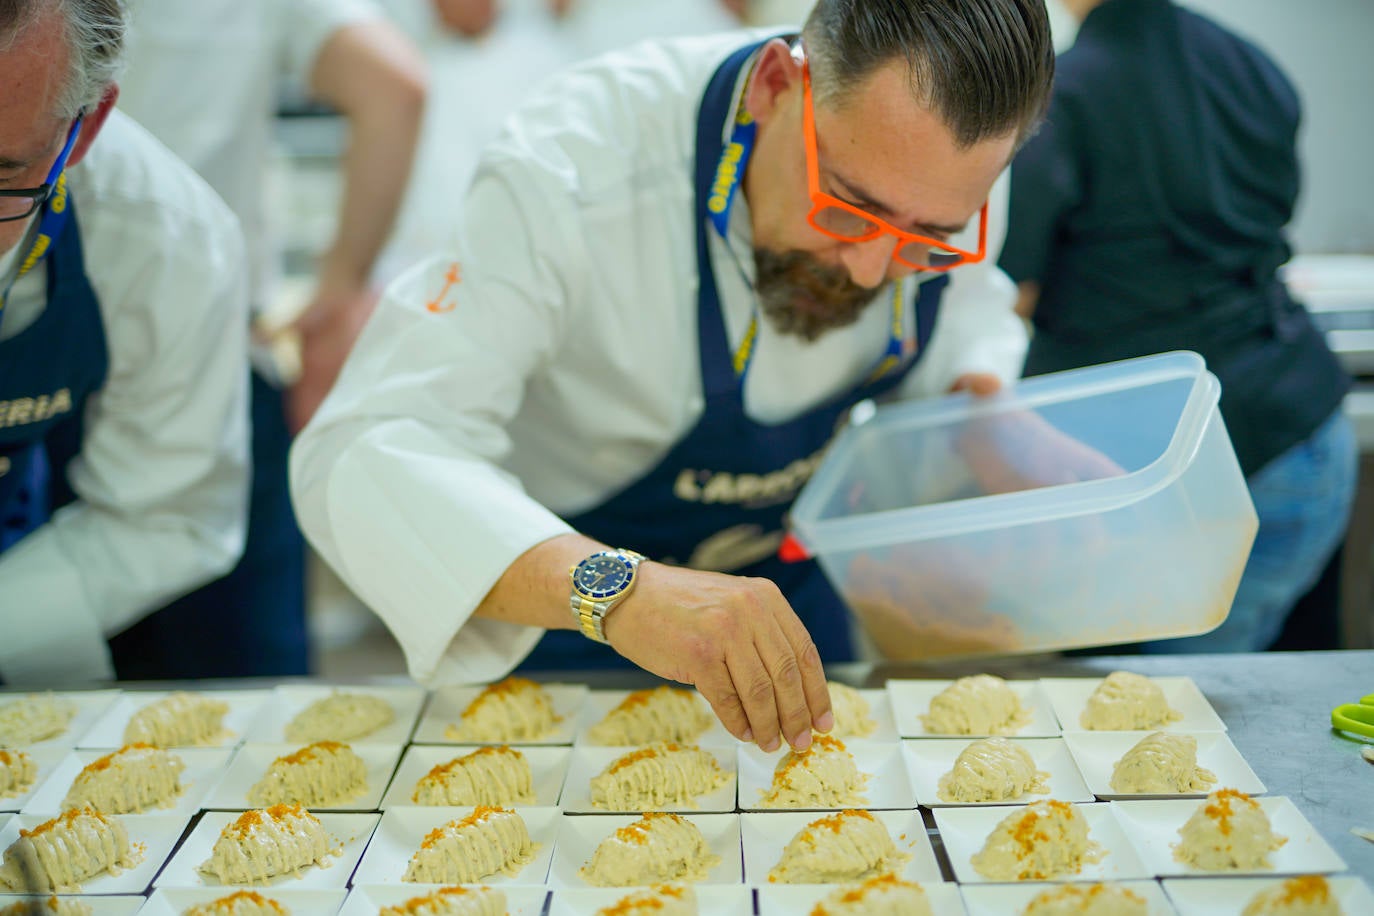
(985, 66)
(95, 32)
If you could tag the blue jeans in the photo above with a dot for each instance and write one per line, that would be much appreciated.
(1303, 500)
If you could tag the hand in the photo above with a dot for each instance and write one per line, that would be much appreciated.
(469, 18)
(1020, 450)
(737, 640)
(327, 331)
(979, 384)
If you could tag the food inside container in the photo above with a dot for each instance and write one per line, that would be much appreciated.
(1091, 507)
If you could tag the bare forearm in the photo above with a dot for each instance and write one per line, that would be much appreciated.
(375, 77)
(534, 590)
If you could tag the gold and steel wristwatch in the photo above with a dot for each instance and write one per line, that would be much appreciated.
(599, 583)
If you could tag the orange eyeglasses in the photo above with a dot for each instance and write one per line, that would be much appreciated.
(846, 222)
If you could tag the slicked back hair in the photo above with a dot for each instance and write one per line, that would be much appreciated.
(984, 66)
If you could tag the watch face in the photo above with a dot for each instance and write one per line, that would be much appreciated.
(602, 576)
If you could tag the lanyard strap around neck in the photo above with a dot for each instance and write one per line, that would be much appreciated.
(729, 175)
(55, 214)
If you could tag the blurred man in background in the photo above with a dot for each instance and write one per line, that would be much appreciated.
(206, 78)
(1148, 215)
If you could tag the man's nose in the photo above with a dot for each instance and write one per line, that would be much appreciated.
(868, 262)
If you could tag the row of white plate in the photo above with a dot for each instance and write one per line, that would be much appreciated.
(261, 716)
(902, 774)
(1136, 836)
(1174, 897)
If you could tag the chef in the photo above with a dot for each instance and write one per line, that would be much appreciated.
(123, 355)
(679, 267)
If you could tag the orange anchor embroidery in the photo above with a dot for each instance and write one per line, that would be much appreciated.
(452, 278)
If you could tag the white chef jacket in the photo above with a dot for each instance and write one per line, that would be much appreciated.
(563, 365)
(206, 76)
(162, 476)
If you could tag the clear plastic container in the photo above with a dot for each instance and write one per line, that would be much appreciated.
(1098, 506)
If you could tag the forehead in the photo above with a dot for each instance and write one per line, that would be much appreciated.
(884, 139)
(33, 66)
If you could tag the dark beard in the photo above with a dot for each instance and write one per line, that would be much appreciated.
(803, 297)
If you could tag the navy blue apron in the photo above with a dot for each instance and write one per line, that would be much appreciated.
(663, 514)
(47, 372)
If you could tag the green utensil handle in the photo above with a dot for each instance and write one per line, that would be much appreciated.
(1357, 718)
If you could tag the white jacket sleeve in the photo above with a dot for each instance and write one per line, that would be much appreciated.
(397, 480)
(162, 476)
(978, 329)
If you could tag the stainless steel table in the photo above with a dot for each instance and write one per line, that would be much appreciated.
(1277, 707)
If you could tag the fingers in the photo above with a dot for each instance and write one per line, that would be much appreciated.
(754, 687)
(980, 384)
(812, 672)
(784, 670)
(718, 690)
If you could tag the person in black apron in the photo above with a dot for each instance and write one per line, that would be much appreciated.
(54, 370)
(1148, 216)
(752, 639)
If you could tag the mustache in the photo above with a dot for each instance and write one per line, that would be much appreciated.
(803, 297)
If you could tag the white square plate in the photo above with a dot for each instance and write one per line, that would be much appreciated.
(765, 835)
(928, 759)
(352, 831)
(403, 830)
(911, 700)
(548, 768)
(1069, 697)
(888, 784)
(244, 706)
(713, 899)
(1153, 828)
(965, 830)
(252, 760)
(204, 768)
(91, 705)
(600, 702)
(1228, 896)
(588, 762)
(157, 833)
(797, 899)
(290, 700)
(46, 759)
(1096, 753)
(446, 707)
(1001, 899)
(366, 900)
(173, 901)
(880, 711)
(100, 906)
(579, 836)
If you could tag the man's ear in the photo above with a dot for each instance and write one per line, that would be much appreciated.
(775, 72)
(92, 122)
